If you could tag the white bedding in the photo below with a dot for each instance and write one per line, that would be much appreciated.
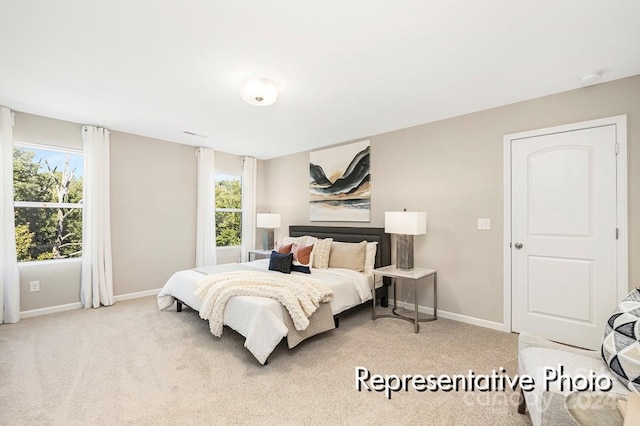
(260, 320)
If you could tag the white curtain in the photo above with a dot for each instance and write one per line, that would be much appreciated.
(9, 279)
(206, 208)
(96, 286)
(249, 174)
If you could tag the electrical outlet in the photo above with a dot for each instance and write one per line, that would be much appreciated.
(484, 223)
(34, 286)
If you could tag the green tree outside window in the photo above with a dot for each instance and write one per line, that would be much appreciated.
(47, 187)
(228, 210)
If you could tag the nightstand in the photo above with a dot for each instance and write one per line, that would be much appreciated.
(259, 254)
(414, 275)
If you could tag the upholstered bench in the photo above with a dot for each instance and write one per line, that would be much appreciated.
(548, 407)
(607, 375)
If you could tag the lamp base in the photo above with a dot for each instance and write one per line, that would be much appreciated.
(404, 252)
(267, 239)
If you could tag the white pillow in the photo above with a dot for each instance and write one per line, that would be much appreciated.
(370, 257)
(321, 251)
(299, 241)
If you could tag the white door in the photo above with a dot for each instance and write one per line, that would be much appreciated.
(563, 233)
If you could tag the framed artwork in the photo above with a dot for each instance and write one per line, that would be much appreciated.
(340, 183)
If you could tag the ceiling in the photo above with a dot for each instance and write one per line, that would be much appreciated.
(346, 69)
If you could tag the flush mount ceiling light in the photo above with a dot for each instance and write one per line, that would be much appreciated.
(260, 91)
(591, 79)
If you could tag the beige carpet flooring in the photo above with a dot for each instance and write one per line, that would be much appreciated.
(132, 364)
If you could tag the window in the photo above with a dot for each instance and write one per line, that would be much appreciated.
(228, 210)
(47, 188)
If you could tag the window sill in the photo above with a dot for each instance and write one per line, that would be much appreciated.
(30, 263)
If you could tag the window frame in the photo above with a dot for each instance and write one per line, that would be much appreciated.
(47, 204)
(226, 209)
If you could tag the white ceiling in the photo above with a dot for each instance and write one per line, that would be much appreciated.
(347, 69)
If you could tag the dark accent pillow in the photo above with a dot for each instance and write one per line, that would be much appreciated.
(281, 262)
(300, 268)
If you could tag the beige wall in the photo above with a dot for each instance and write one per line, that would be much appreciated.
(453, 170)
(46, 131)
(153, 186)
(59, 280)
(153, 210)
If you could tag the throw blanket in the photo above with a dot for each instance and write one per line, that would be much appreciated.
(301, 296)
(321, 321)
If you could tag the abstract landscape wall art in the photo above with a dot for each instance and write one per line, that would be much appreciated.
(340, 183)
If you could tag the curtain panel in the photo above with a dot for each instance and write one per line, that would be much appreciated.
(96, 286)
(249, 176)
(9, 278)
(206, 208)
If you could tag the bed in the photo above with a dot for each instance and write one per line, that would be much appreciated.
(262, 320)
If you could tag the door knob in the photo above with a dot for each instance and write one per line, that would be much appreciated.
(518, 246)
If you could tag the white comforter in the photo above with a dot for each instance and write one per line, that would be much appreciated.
(301, 296)
(259, 319)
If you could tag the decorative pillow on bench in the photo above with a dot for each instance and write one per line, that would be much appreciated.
(620, 346)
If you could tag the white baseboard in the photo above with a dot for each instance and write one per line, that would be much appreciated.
(78, 305)
(442, 314)
(50, 310)
(136, 295)
(457, 317)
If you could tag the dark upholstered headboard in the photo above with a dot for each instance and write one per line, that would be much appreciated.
(350, 235)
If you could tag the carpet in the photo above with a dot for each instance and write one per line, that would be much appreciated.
(133, 364)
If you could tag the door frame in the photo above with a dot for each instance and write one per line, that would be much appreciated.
(622, 246)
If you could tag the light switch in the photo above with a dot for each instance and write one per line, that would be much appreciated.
(484, 223)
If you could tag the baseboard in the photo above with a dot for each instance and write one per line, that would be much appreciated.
(50, 310)
(78, 305)
(442, 314)
(136, 295)
(457, 317)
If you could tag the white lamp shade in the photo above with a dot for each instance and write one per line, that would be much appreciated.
(268, 220)
(406, 223)
(259, 91)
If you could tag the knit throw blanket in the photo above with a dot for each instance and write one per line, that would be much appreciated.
(301, 296)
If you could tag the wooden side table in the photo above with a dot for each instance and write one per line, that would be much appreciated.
(259, 254)
(414, 275)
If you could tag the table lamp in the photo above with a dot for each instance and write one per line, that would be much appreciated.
(405, 225)
(269, 221)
